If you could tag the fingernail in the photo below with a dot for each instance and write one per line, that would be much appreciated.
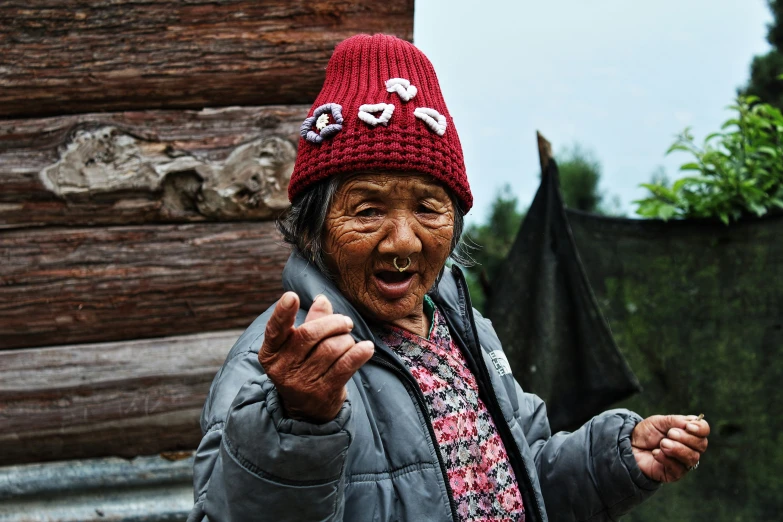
(349, 323)
(666, 443)
(692, 428)
(318, 298)
(655, 452)
(674, 433)
(287, 301)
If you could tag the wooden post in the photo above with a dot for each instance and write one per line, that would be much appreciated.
(544, 151)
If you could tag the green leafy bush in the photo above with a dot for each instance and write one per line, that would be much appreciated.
(739, 169)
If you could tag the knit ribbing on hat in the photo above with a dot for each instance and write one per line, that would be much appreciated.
(416, 135)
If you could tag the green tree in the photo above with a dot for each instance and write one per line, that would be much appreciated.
(765, 70)
(580, 174)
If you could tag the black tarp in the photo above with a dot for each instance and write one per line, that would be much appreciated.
(694, 306)
(558, 343)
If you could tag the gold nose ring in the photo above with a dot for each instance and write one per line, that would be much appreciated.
(402, 268)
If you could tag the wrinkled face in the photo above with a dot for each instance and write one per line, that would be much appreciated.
(376, 217)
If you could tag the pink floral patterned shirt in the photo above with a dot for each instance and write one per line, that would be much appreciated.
(479, 472)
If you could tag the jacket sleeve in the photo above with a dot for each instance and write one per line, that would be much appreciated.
(255, 464)
(590, 474)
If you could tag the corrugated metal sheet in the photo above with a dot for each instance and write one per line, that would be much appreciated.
(144, 489)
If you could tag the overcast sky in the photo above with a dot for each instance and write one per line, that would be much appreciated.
(619, 77)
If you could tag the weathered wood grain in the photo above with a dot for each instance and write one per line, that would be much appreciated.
(126, 399)
(92, 284)
(69, 56)
(149, 166)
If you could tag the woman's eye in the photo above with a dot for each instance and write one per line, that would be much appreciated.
(368, 212)
(424, 209)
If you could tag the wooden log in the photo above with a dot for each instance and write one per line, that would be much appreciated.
(126, 399)
(72, 285)
(70, 56)
(152, 166)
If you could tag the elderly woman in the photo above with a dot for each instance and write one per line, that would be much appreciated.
(372, 390)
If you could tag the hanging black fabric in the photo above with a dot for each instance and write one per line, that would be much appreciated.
(542, 306)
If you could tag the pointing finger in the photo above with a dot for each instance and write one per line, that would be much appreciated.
(280, 325)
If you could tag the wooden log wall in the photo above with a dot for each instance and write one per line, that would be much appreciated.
(199, 256)
(74, 56)
(145, 148)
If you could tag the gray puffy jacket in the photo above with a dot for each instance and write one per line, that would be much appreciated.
(377, 461)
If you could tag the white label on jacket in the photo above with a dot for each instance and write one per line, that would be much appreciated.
(501, 362)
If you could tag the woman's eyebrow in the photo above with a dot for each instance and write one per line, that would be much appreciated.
(377, 190)
(368, 188)
(376, 193)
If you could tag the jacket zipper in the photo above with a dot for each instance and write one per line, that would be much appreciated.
(410, 383)
(500, 421)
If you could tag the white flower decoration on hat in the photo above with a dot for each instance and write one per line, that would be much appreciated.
(320, 118)
(434, 120)
(322, 121)
(402, 87)
(386, 110)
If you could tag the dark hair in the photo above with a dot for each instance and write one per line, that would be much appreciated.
(302, 224)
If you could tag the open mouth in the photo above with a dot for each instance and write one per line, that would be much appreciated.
(393, 276)
(393, 284)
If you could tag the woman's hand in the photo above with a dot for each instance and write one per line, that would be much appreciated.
(666, 447)
(310, 365)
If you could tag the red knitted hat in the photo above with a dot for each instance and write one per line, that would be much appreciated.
(380, 109)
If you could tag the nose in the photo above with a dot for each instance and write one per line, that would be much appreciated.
(402, 236)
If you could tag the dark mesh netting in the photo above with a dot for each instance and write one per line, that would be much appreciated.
(695, 308)
(544, 311)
